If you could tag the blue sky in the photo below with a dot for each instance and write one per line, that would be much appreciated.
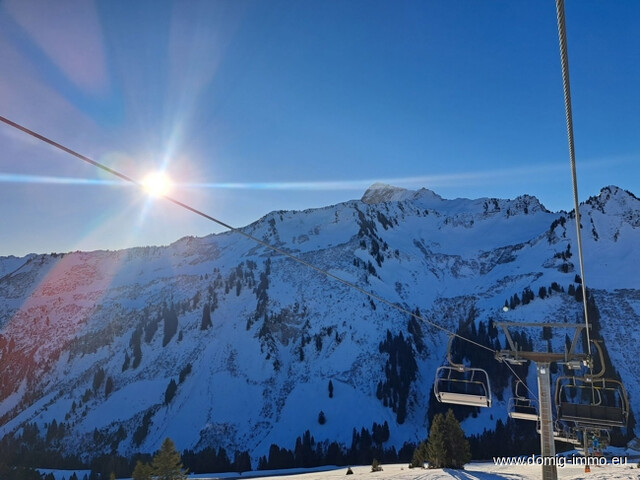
(253, 106)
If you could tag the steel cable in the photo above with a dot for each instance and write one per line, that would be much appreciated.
(241, 232)
(564, 60)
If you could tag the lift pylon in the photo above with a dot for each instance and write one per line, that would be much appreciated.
(543, 361)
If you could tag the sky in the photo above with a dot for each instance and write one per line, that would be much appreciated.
(252, 106)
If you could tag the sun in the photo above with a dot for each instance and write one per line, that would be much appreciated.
(157, 184)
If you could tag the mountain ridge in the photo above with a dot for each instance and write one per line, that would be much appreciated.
(258, 375)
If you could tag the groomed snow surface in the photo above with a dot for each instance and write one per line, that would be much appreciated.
(473, 471)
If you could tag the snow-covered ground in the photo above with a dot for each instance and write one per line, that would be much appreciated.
(473, 471)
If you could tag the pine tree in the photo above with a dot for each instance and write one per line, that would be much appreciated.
(127, 360)
(108, 387)
(436, 446)
(419, 456)
(330, 389)
(166, 464)
(321, 418)
(206, 317)
(98, 378)
(137, 349)
(170, 392)
(447, 446)
(542, 292)
(170, 324)
(458, 444)
(184, 372)
(142, 471)
(242, 462)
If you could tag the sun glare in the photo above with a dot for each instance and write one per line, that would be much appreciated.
(157, 184)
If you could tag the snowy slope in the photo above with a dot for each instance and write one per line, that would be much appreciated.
(473, 471)
(73, 324)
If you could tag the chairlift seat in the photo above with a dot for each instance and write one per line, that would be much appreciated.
(523, 409)
(608, 408)
(465, 399)
(469, 387)
(533, 417)
(592, 414)
(566, 437)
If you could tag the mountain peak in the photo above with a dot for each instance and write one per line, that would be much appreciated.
(382, 192)
(612, 198)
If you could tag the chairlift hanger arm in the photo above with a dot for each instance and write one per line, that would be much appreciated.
(600, 374)
(537, 357)
(541, 324)
(516, 355)
(458, 366)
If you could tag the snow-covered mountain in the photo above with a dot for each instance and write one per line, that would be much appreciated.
(219, 341)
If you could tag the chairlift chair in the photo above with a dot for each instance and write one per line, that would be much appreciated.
(605, 439)
(563, 433)
(460, 385)
(521, 407)
(592, 402)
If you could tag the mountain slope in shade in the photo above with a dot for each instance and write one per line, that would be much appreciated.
(251, 339)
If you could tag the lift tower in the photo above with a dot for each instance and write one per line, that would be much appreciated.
(543, 361)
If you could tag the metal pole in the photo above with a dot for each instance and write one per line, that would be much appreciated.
(547, 441)
(585, 439)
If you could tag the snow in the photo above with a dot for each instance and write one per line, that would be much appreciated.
(133, 397)
(305, 402)
(474, 471)
(254, 383)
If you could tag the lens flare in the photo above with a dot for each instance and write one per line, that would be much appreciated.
(157, 184)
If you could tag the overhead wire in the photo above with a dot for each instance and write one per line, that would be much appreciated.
(254, 239)
(569, 121)
(564, 60)
(241, 232)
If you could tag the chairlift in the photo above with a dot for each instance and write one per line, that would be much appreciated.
(460, 385)
(592, 402)
(563, 433)
(605, 439)
(521, 407)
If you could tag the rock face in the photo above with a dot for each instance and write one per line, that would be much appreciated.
(217, 341)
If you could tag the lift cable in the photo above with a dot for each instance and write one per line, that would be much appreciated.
(284, 253)
(569, 120)
(245, 234)
(564, 60)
